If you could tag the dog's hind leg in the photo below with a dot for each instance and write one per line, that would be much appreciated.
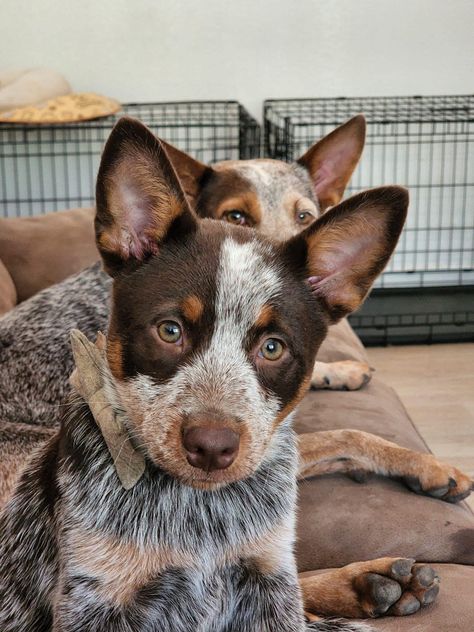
(359, 453)
(394, 586)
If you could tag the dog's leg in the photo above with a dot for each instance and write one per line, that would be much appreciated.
(394, 586)
(345, 375)
(359, 453)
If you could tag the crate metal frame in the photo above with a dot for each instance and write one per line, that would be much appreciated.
(427, 144)
(424, 143)
(51, 167)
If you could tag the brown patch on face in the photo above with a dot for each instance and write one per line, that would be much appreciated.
(122, 568)
(192, 308)
(226, 190)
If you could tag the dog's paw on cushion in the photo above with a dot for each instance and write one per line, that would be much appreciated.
(346, 375)
(439, 480)
(395, 586)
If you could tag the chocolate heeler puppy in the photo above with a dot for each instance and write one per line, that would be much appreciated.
(276, 198)
(211, 345)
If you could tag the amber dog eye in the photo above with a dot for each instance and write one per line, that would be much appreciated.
(169, 331)
(304, 217)
(237, 217)
(271, 349)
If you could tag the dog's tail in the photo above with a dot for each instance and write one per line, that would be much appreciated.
(337, 625)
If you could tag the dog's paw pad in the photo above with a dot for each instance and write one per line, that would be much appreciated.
(401, 569)
(400, 589)
(406, 605)
(377, 593)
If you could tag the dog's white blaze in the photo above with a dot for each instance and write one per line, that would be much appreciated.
(223, 374)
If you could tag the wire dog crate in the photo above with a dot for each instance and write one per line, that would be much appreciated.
(426, 144)
(50, 167)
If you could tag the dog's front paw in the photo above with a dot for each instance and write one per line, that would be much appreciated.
(401, 589)
(346, 375)
(439, 480)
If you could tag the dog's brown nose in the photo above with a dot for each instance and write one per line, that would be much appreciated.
(211, 449)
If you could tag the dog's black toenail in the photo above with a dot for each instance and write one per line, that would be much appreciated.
(327, 381)
(413, 483)
(359, 476)
(439, 492)
(457, 497)
(452, 482)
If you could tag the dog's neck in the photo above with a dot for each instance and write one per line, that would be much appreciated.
(228, 516)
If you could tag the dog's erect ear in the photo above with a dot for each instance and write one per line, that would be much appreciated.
(139, 198)
(332, 160)
(344, 251)
(190, 171)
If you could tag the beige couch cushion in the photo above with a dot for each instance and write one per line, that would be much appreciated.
(341, 521)
(8, 296)
(45, 249)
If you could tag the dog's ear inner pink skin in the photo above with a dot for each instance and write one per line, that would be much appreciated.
(332, 160)
(139, 198)
(349, 246)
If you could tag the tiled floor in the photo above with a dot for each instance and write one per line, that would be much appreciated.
(436, 384)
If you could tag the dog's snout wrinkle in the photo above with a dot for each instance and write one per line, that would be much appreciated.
(211, 449)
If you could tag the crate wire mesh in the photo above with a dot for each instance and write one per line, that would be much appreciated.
(50, 167)
(424, 143)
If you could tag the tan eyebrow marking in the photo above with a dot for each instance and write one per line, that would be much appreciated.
(247, 202)
(192, 308)
(265, 316)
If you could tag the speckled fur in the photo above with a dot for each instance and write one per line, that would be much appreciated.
(35, 352)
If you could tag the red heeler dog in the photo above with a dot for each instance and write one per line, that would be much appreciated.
(211, 345)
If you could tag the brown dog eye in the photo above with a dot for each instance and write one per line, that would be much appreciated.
(304, 217)
(169, 331)
(237, 217)
(271, 349)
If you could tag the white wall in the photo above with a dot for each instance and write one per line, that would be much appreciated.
(138, 50)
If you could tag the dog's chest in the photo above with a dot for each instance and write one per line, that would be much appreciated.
(123, 570)
(138, 542)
